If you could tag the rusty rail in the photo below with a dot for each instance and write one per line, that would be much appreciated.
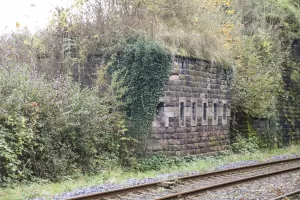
(203, 189)
(287, 195)
(122, 191)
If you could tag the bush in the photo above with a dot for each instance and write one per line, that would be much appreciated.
(55, 129)
(246, 145)
(157, 162)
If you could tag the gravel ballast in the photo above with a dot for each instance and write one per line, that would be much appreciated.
(160, 177)
(262, 189)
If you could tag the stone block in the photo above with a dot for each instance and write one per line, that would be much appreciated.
(171, 103)
(176, 142)
(184, 147)
(170, 94)
(212, 138)
(195, 140)
(182, 141)
(172, 124)
(166, 136)
(194, 129)
(204, 134)
(205, 150)
(197, 151)
(205, 139)
(182, 130)
(173, 136)
(171, 142)
(175, 148)
(160, 130)
(195, 95)
(169, 114)
(202, 145)
(181, 135)
(188, 94)
(179, 94)
(170, 130)
(174, 88)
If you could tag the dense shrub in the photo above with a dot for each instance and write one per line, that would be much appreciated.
(54, 129)
(246, 145)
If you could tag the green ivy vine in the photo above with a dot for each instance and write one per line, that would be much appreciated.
(144, 68)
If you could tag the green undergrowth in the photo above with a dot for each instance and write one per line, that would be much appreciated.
(157, 164)
(56, 129)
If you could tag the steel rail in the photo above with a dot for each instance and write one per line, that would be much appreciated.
(287, 195)
(122, 191)
(203, 189)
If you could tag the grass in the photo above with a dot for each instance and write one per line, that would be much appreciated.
(117, 175)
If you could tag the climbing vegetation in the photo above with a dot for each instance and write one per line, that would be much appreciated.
(143, 67)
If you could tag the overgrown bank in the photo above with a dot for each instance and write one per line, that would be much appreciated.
(55, 129)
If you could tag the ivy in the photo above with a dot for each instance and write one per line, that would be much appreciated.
(144, 68)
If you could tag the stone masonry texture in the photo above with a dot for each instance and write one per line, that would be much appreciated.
(194, 110)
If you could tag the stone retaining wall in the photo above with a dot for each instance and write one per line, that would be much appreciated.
(289, 109)
(194, 110)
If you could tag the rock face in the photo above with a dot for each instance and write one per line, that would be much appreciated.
(193, 113)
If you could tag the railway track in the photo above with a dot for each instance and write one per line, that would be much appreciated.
(291, 195)
(191, 185)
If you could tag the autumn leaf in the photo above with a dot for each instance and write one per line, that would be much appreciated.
(18, 24)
